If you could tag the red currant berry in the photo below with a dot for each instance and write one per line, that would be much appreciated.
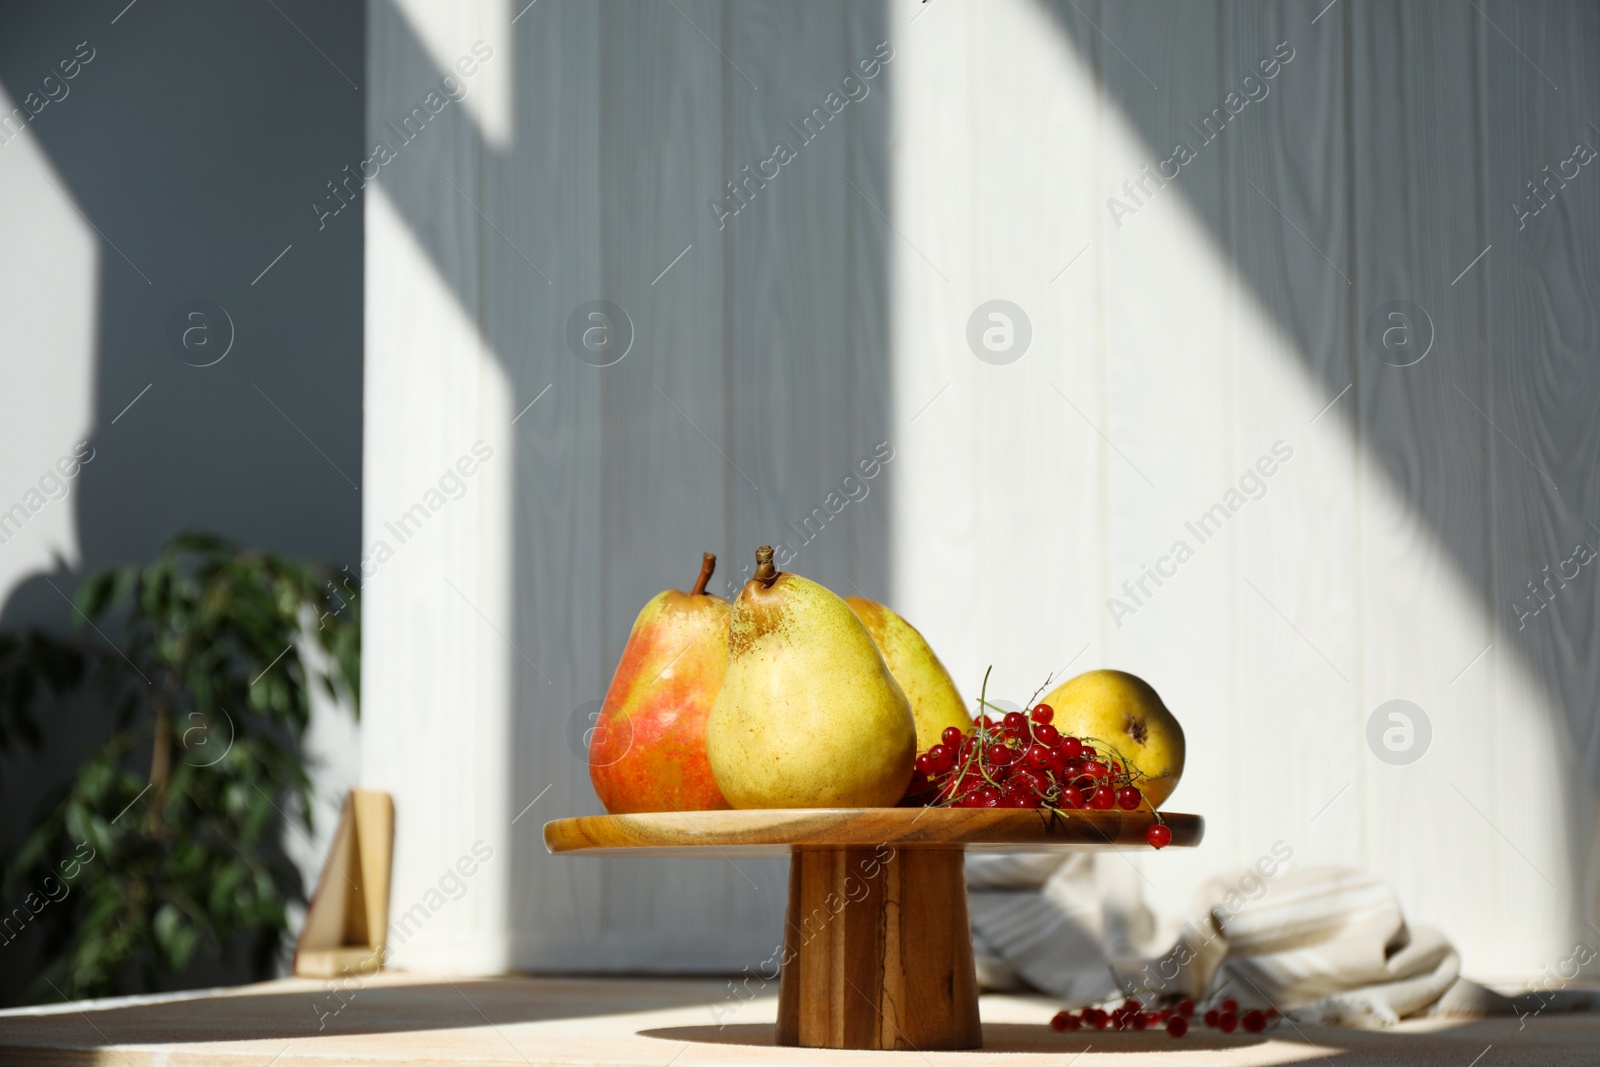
(923, 764)
(1072, 748)
(989, 796)
(1099, 1018)
(1058, 1021)
(999, 755)
(1046, 735)
(1136, 1020)
(1089, 753)
(1043, 713)
(1028, 780)
(1160, 836)
(1104, 798)
(1129, 798)
(1015, 721)
(1254, 1022)
(1230, 1005)
(1185, 1008)
(940, 758)
(1177, 1026)
(1038, 757)
(952, 736)
(1227, 1022)
(1212, 1016)
(1071, 797)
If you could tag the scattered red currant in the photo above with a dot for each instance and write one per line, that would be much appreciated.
(1227, 1022)
(1177, 1026)
(1160, 836)
(1254, 1022)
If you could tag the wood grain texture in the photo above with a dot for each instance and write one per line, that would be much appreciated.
(779, 831)
(878, 952)
(1300, 301)
(1427, 453)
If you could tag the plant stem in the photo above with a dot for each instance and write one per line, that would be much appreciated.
(160, 758)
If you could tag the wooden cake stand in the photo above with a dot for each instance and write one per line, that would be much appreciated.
(877, 952)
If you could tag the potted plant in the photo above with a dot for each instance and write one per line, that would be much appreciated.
(169, 839)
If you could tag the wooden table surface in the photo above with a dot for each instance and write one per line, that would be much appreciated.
(417, 1019)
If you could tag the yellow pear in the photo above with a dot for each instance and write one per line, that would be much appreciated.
(808, 715)
(935, 701)
(1121, 711)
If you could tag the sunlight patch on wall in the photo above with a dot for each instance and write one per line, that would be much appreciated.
(450, 32)
(436, 549)
(1037, 487)
(50, 276)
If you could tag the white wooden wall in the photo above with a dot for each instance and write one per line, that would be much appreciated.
(1167, 355)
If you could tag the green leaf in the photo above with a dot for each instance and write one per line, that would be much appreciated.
(203, 622)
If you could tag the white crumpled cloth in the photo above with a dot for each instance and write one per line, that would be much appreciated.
(1328, 945)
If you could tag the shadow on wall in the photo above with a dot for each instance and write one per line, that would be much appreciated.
(193, 137)
(756, 381)
(1419, 189)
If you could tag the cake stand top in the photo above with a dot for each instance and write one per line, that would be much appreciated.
(779, 831)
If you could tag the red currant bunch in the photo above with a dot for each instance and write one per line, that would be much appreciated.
(1025, 761)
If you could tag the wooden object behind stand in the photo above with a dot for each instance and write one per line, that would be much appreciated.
(347, 922)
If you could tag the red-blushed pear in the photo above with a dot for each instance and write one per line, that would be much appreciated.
(648, 750)
(1122, 710)
(809, 716)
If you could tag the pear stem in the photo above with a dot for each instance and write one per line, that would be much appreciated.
(766, 573)
(707, 565)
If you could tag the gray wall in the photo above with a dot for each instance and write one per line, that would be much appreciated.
(1170, 350)
(194, 141)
